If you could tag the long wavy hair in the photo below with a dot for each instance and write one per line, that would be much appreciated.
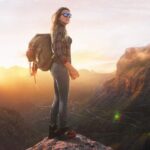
(55, 22)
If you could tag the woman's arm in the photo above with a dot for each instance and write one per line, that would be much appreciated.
(58, 52)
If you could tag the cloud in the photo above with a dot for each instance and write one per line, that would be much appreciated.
(94, 61)
(99, 66)
(85, 56)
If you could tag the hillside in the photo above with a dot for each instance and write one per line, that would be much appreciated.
(13, 131)
(121, 107)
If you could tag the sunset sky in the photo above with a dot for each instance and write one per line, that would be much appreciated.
(101, 29)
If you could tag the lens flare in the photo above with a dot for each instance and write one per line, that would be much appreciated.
(117, 116)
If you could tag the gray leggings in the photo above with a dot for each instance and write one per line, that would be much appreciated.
(61, 90)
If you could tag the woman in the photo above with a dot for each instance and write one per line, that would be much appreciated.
(61, 69)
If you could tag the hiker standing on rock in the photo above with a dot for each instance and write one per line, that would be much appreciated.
(61, 69)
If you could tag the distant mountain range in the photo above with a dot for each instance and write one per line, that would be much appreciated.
(17, 87)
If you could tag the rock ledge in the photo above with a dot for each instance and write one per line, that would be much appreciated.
(79, 143)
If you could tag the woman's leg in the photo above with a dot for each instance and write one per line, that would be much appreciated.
(61, 77)
(55, 106)
(63, 88)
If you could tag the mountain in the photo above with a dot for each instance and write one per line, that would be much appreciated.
(131, 78)
(14, 132)
(118, 113)
(79, 142)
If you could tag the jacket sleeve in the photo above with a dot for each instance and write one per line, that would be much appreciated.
(58, 47)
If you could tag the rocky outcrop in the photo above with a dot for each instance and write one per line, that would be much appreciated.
(79, 143)
(132, 76)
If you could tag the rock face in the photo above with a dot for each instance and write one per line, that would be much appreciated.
(79, 143)
(121, 107)
(133, 57)
(131, 80)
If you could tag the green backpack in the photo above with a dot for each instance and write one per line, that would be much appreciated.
(40, 52)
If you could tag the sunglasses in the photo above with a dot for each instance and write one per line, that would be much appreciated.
(67, 15)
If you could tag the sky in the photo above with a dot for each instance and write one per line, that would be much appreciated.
(101, 30)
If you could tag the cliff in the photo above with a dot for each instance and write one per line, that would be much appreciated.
(121, 106)
(131, 80)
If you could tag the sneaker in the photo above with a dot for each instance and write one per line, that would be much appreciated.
(70, 133)
(52, 131)
(65, 133)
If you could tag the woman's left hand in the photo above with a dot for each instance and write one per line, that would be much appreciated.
(72, 71)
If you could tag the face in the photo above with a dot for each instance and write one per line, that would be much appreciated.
(65, 16)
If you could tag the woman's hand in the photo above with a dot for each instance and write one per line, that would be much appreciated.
(73, 74)
(72, 71)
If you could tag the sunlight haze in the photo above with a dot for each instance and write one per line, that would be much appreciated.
(101, 30)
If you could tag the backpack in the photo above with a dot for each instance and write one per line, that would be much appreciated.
(40, 52)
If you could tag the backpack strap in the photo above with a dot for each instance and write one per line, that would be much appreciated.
(33, 69)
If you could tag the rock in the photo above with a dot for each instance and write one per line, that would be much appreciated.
(134, 57)
(79, 143)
